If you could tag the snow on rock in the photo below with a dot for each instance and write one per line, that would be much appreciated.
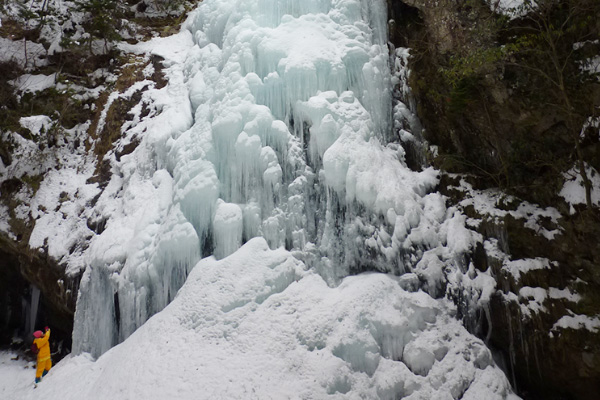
(512, 8)
(492, 203)
(532, 299)
(258, 325)
(29, 55)
(576, 321)
(59, 200)
(566, 294)
(36, 124)
(4, 225)
(523, 266)
(58, 195)
(573, 190)
(33, 83)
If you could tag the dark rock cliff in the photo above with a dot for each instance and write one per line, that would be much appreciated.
(500, 114)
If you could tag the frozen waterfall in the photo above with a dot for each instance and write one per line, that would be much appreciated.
(276, 123)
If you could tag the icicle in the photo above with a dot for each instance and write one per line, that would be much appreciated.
(488, 316)
(35, 299)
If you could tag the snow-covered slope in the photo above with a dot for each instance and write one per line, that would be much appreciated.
(258, 325)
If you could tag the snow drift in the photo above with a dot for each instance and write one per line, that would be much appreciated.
(258, 325)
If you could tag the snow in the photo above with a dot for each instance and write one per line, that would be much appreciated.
(487, 202)
(28, 55)
(174, 49)
(137, 86)
(16, 375)
(259, 325)
(36, 124)
(58, 200)
(61, 193)
(532, 299)
(573, 190)
(591, 66)
(523, 266)
(4, 218)
(33, 83)
(576, 321)
(512, 8)
(566, 294)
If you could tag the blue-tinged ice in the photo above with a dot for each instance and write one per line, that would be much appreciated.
(277, 122)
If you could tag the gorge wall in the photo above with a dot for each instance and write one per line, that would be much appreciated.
(498, 116)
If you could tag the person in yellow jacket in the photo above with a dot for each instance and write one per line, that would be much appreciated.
(44, 363)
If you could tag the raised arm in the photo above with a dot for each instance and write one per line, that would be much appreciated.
(43, 340)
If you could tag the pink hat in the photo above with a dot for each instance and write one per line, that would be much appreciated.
(38, 334)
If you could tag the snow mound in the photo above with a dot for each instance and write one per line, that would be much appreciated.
(257, 325)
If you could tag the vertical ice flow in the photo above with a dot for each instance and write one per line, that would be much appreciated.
(35, 301)
(287, 134)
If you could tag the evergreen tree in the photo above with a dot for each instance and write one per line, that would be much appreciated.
(103, 20)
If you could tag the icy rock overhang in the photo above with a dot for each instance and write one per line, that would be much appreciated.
(259, 325)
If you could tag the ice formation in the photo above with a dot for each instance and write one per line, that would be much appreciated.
(266, 238)
(275, 124)
(276, 130)
(259, 325)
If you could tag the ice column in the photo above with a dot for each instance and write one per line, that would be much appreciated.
(35, 301)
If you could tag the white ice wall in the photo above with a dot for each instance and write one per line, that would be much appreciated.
(276, 122)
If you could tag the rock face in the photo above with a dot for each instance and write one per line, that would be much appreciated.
(52, 149)
(545, 288)
(21, 267)
(485, 117)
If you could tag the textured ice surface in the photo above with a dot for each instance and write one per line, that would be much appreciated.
(259, 325)
(276, 123)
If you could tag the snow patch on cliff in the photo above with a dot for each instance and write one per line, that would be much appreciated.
(573, 190)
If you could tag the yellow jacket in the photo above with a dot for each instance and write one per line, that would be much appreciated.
(44, 346)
